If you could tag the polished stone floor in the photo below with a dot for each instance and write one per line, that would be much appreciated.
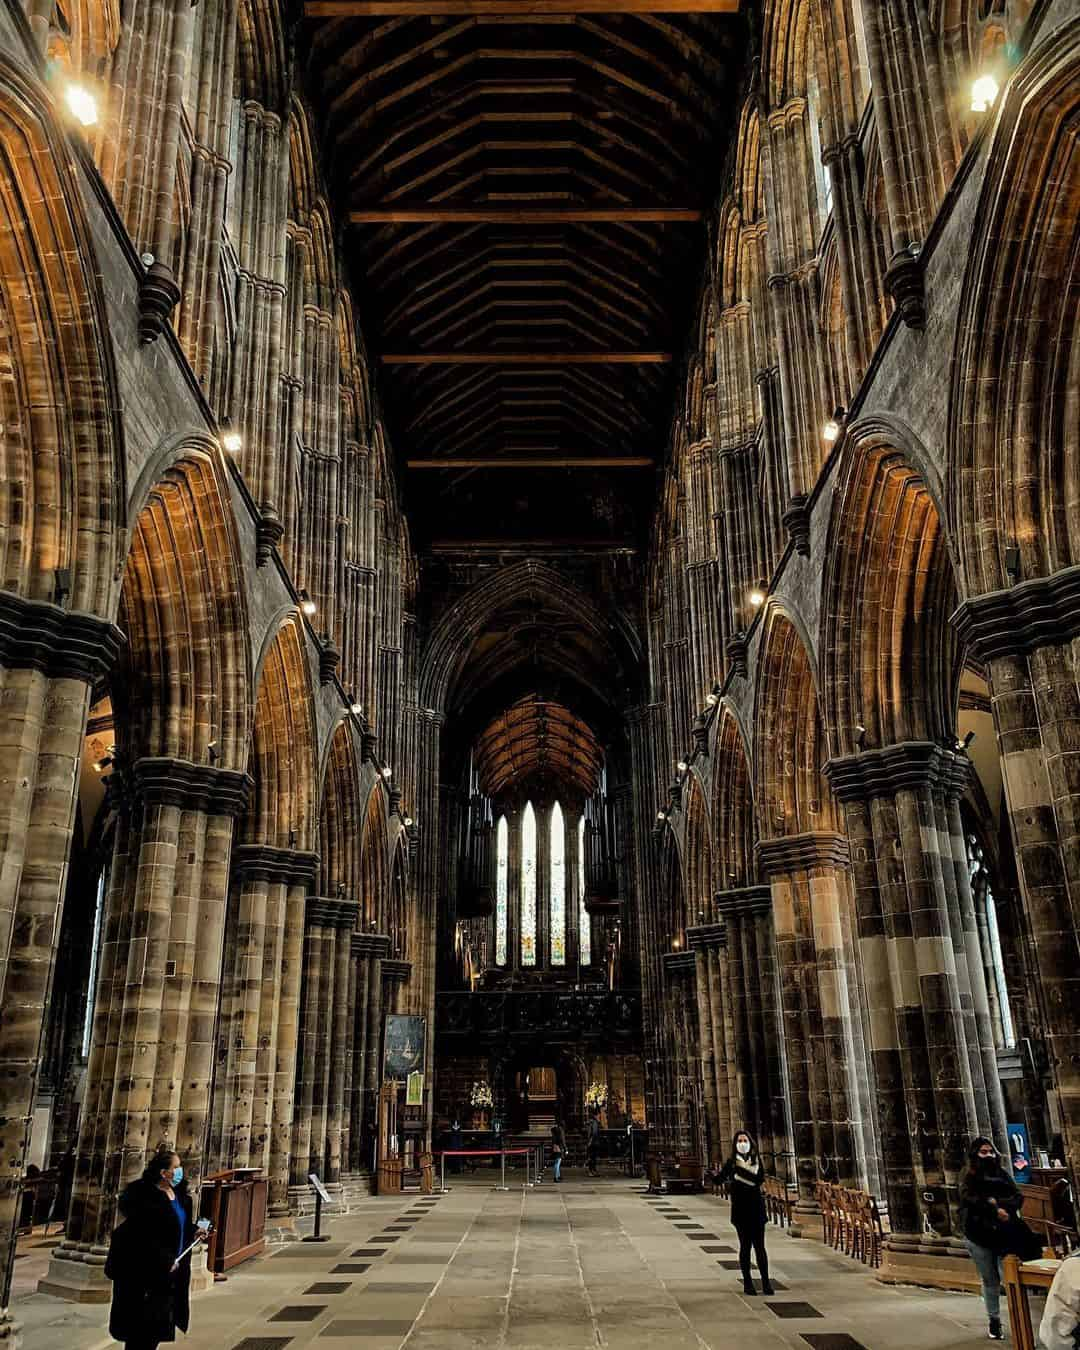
(568, 1267)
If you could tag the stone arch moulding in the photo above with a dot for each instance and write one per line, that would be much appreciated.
(68, 453)
(183, 608)
(733, 819)
(888, 655)
(1013, 441)
(340, 814)
(448, 647)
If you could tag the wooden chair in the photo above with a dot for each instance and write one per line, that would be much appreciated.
(653, 1173)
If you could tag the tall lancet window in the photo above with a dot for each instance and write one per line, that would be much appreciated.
(558, 887)
(585, 927)
(502, 867)
(528, 887)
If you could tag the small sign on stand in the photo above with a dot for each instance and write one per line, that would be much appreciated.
(321, 1194)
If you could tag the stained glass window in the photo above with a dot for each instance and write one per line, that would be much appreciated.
(558, 887)
(986, 916)
(502, 865)
(585, 927)
(528, 887)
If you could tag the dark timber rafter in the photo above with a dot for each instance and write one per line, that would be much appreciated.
(526, 183)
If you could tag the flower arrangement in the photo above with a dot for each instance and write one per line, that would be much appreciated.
(596, 1095)
(480, 1096)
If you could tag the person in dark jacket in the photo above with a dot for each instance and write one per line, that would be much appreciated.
(558, 1150)
(989, 1199)
(592, 1144)
(150, 1275)
(744, 1174)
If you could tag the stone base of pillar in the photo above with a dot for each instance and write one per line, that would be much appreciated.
(77, 1273)
(807, 1222)
(929, 1262)
(357, 1186)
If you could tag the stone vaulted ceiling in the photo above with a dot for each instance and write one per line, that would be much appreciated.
(524, 191)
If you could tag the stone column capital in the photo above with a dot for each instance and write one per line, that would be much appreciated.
(1042, 612)
(274, 864)
(62, 644)
(330, 912)
(705, 937)
(908, 765)
(163, 780)
(800, 852)
(675, 963)
(396, 971)
(371, 944)
(744, 901)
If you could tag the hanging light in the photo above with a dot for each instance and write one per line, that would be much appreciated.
(307, 604)
(984, 91)
(81, 104)
(231, 440)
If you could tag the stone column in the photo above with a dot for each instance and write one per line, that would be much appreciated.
(151, 1056)
(320, 1069)
(747, 918)
(808, 878)
(928, 1012)
(257, 1040)
(1027, 639)
(368, 951)
(49, 660)
(699, 940)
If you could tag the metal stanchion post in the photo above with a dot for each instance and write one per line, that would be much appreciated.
(442, 1172)
(502, 1168)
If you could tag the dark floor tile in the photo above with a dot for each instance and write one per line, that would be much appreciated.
(714, 1250)
(348, 1268)
(688, 1225)
(383, 1237)
(833, 1340)
(729, 1265)
(793, 1309)
(703, 1237)
(298, 1312)
(328, 1287)
(369, 1251)
(263, 1343)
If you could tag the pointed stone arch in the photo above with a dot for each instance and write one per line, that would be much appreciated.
(375, 862)
(340, 817)
(890, 659)
(734, 824)
(62, 488)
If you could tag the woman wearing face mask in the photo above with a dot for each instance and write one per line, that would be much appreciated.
(989, 1200)
(745, 1175)
(149, 1263)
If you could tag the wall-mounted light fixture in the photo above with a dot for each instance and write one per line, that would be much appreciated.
(81, 104)
(307, 604)
(387, 771)
(984, 92)
(231, 440)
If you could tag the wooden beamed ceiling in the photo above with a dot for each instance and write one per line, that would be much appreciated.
(525, 190)
(536, 740)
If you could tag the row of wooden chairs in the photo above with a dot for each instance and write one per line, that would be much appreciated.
(852, 1222)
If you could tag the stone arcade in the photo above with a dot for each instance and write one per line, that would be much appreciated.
(560, 519)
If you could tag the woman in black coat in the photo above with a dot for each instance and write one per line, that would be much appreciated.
(989, 1201)
(150, 1277)
(744, 1175)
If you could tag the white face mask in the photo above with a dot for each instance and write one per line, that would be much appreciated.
(743, 1147)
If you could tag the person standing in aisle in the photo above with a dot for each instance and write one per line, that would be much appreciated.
(593, 1139)
(989, 1201)
(558, 1149)
(149, 1258)
(744, 1173)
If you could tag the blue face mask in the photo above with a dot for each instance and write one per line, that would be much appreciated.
(177, 1175)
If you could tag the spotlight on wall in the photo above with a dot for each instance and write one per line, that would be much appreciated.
(830, 431)
(387, 771)
(100, 765)
(407, 822)
(81, 104)
(212, 751)
(756, 597)
(711, 700)
(231, 440)
(860, 735)
(682, 766)
(984, 92)
(967, 740)
(307, 604)
(1012, 561)
(61, 585)
(355, 706)
(661, 815)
